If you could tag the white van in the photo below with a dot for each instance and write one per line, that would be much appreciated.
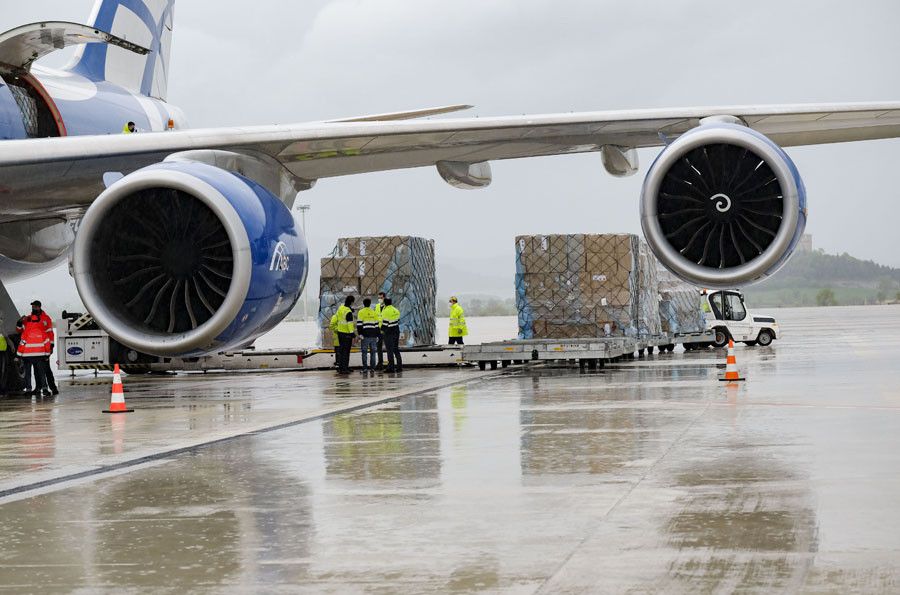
(728, 316)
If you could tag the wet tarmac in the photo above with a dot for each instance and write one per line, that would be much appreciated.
(646, 477)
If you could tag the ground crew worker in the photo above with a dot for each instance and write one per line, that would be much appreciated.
(390, 330)
(129, 128)
(35, 348)
(346, 330)
(378, 308)
(704, 302)
(367, 327)
(336, 341)
(49, 379)
(458, 328)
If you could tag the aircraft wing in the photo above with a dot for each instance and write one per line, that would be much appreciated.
(328, 149)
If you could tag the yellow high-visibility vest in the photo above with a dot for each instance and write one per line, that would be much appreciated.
(378, 310)
(390, 317)
(457, 322)
(343, 325)
(367, 319)
(333, 327)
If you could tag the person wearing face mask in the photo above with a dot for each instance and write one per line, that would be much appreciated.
(35, 347)
(380, 347)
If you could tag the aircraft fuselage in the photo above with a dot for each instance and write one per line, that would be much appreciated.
(54, 103)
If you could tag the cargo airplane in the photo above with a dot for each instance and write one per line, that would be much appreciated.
(183, 241)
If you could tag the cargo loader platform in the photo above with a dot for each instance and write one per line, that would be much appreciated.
(588, 352)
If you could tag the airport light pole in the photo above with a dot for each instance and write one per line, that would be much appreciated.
(303, 209)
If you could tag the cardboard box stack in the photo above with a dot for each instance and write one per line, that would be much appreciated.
(401, 266)
(680, 309)
(582, 286)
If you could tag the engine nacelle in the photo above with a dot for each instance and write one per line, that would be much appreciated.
(723, 206)
(185, 259)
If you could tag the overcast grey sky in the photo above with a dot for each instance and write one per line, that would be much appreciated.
(272, 62)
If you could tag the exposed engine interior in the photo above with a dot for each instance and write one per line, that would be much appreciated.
(720, 205)
(163, 259)
(723, 206)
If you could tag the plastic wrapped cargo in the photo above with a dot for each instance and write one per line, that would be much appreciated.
(586, 285)
(400, 266)
(680, 308)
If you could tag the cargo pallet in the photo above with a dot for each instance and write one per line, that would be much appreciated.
(589, 353)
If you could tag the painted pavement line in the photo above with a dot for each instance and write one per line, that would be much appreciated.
(18, 492)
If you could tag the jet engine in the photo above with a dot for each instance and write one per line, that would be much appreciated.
(185, 258)
(723, 206)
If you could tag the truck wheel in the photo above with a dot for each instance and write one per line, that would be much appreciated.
(721, 337)
(493, 365)
(750, 343)
(482, 366)
(765, 337)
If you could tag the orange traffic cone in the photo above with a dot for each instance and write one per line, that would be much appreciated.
(117, 398)
(731, 371)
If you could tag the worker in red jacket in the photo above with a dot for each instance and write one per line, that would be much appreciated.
(35, 346)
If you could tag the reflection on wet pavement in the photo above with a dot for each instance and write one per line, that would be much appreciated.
(647, 477)
(44, 440)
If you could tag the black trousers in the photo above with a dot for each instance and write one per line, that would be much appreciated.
(34, 363)
(456, 341)
(392, 343)
(346, 343)
(380, 349)
(49, 380)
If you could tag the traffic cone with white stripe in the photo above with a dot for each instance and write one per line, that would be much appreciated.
(731, 371)
(117, 398)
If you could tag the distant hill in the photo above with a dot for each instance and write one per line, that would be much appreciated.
(816, 278)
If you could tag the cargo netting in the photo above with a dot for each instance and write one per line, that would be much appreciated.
(584, 286)
(680, 308)
(400, 266)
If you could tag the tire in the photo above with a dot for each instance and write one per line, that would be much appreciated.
(765, 338)
(721, 337)
(482, 366)
(750, 343)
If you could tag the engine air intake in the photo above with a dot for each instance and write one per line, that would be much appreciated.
(723, 206)
(720, 205)
(166, 258)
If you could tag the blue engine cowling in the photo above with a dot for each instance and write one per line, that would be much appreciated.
(723, 206)
(185, 259)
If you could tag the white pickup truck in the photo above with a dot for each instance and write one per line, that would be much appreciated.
(729, 317)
